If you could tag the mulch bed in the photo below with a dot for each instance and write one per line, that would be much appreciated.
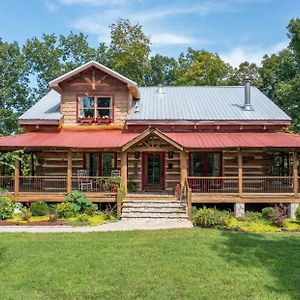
(40, 223)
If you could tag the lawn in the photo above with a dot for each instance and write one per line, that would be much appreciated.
(170, 264)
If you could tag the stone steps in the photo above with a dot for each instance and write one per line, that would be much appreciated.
(153, 209)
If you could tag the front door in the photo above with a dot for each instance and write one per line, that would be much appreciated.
(153, 174)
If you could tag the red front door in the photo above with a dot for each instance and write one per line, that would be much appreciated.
(153, 171)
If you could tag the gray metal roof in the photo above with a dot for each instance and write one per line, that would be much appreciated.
(197, 103)
(48, 108)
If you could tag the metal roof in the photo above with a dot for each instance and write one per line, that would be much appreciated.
(199, 103)
(68, 139)
(48, 108)
(118, 138)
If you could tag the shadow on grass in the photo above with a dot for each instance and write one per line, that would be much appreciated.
(278, 255)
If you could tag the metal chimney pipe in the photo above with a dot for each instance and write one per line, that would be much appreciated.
(247, 104)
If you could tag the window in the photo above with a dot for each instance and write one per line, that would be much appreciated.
(205, 164)
(100, 164)
(95, 109)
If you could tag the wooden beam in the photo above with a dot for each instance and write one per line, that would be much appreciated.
(183, 167)
(119, 203)
(124, 170)
(295, 173)
(240, 172)
(17, 177)
(69, 172)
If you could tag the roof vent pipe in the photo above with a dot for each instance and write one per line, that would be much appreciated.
(160, 89)
(247, 105)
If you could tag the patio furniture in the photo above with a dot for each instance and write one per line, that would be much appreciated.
(85, 184)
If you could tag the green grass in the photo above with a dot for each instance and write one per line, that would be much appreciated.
(170, 264)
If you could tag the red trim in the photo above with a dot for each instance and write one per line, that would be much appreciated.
(144, 169)
(96, 120)
(206, 161)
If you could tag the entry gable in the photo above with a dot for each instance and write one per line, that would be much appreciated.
(145, 138)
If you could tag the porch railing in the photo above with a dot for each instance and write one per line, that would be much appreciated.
(7, 183)
(59, 184)
(250, 185)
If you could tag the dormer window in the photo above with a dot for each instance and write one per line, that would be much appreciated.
(95, 109)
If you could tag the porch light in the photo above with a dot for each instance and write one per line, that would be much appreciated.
(170, 154)
(136, 155)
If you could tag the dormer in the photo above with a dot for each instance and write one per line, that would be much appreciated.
(91, 94)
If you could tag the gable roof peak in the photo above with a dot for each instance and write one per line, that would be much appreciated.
(132, 85)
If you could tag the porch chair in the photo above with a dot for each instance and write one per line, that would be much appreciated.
(115, 173)
(84, 183)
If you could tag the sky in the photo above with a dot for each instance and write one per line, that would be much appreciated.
(237, 30)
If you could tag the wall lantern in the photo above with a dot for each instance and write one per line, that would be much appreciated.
(170, 154)
(137, 155)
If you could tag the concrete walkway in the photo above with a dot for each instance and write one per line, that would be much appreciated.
(123, 225)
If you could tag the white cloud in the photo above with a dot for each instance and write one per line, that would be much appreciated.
(252, 54)
(174, 39)
(51, 6)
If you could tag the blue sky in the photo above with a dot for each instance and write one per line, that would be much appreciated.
(236, 29)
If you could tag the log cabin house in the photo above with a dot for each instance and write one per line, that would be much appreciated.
(202, 144)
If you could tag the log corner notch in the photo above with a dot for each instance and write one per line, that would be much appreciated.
(295, 173)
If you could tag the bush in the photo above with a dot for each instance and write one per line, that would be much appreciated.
(267, 213)
(66, 210)
(39, 209)
(79, 200)
(279, 215)
(91, 210)
(83, 218)
(251, 216)
(6, 208)
(25, 214)
(297, 213)
(210, 217)
(53, 217)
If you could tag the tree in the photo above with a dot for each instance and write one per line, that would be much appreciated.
(200, 67)
(14, 86)
(245, 71)
(53, 56)
(129, 50)
(162, 71)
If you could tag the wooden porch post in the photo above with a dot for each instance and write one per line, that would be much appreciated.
(240, 171)
(183, 167)
(124, 170)
(69, 172)
(295, 173)
(17, 177)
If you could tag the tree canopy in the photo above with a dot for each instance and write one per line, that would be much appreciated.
(25, 71)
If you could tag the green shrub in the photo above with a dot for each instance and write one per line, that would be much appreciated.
(39, 209)
(25, 214)
(79, 201)
(91, 210)
(210, 217)
(267, 213)
(6, 208)
(66, 210)
(251, 216)
(83, 218)
(297, 213)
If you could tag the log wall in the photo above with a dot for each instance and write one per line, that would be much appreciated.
(107, 86)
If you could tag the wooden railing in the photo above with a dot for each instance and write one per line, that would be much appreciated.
(7, 183)
(246, 185)
(59, 184)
